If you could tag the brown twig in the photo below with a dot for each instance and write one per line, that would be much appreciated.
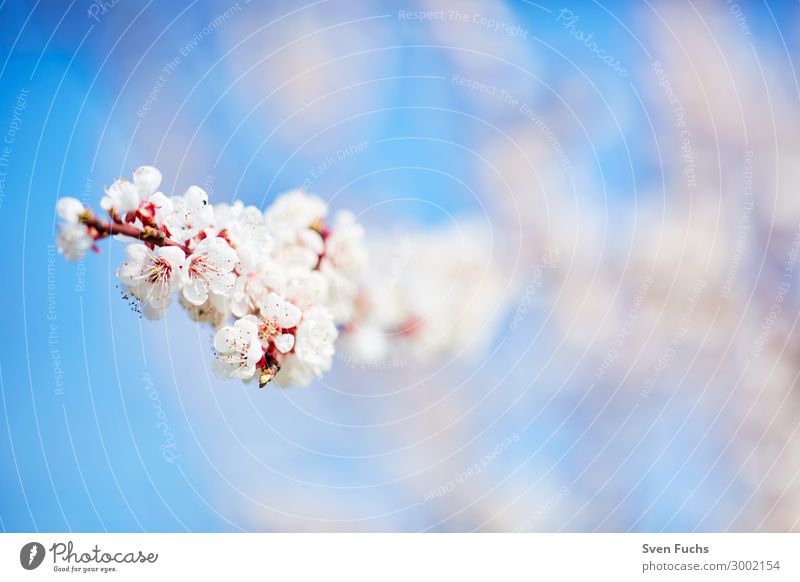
(148, 234)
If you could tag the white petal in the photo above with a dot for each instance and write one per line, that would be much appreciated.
(225, 339)
(254, 353)
(129, 201)
(73, 241)
(153, 312)
(147, 180)
(290, 316)
(224, 370)
(286, 314)
(293, 373)
(69, 209)
(195, 196)
(247, 326)
(313, 240)
(131, 269)
(220, 252)
(124, 196)
(164, 207)
(203, 246)
(223, 284)
(138, 252)
(194, 290)
(174, 255)
(161, 200)
(247, 372)
(272, 305)
(157, 298)
(284, 342)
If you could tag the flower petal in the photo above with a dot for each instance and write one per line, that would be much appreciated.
(290, 316)
(247, 372)
(284, 342)
(223, 284)
(194, 290)
(153, 312)
(247, 327)
(69, 209)
(225, 339)
(224, 370)
(174, 255)
(147, 179)
(254, 352)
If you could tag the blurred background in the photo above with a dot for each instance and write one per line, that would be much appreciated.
(605, 191)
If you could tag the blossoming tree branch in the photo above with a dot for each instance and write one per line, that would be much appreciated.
(286, 278)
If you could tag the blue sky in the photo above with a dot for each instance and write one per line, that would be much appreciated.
(88, 388)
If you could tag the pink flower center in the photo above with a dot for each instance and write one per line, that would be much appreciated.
(201, 268)
(270, 328)
(198, 266)
(160, 271)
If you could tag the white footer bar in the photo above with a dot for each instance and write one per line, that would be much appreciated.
(355, 557)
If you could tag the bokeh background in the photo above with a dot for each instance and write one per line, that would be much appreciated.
(629, 172)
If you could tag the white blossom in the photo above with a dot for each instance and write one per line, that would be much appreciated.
(446, 300)
(238, 350)
(213, 311)
(69, 210)
(343, 262)
(152, 276)
(124, 196)
(284, 274)
(279, 317)
(253, 286)
(183, 216)
(313, 349)
(345, 250)
(209, 269)
(293, 372)
(295, 211)
(244, 227)
(305, 288)
(284, 313)
(301, 249)
(73, 241)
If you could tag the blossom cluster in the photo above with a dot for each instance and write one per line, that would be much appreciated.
(432, 295)
(287, 278)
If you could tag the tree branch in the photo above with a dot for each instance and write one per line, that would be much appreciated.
(148, 234)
